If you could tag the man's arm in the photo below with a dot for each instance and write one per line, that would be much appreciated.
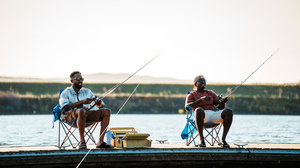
(196, 103)
(81, 102)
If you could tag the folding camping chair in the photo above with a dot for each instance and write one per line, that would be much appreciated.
(69, 128)
(190, 132)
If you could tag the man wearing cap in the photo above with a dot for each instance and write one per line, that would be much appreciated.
(203, 102)
(75, 101)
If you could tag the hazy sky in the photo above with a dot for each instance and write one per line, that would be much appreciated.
(223, 40)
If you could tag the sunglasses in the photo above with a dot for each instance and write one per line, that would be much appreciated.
(201, 80)
(78, 79)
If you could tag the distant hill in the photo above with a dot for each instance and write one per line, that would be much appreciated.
(101, 78)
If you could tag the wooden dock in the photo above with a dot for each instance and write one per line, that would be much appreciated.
(159, 155)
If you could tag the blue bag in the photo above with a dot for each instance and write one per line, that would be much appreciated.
(57, 109)
(56, 112)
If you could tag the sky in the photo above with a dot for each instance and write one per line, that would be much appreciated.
(223, 40)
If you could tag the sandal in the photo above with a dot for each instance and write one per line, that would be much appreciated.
(104, 145)
(82, 145)
(202, 144)
(225, 145)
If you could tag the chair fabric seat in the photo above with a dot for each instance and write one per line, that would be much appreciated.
(73, 123)
(210, 125)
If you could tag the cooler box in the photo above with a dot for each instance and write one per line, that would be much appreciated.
(117, 133)
(136, 140)
(127, 137)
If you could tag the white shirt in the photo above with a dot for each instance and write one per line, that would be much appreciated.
(70, 96)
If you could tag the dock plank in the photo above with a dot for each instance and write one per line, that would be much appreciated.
(159, 155)
(160, 145)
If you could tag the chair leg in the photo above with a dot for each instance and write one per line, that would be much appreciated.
(58, 143)
(217, 130)
(193, 137)
(212, 132)
(214, 138)
(62, 125)
(69, 134)
(189, 139)
(206, 137)
(219, 141)
(89, 133)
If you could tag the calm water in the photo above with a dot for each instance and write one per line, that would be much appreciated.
(31, 130)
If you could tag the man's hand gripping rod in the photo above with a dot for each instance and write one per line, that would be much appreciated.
(118, 85)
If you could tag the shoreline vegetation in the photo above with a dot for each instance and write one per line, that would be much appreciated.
(40, 98)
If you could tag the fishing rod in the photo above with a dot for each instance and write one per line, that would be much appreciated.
(119, 84)
(251, 74)
(248, 76)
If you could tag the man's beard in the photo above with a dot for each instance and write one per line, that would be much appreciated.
(78, 86)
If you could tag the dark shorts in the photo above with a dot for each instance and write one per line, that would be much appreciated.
(94, 115)
(91, 116)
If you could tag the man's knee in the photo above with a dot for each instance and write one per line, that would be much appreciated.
(106, 112)
(80, 112)
(200, 113)
(227, 113)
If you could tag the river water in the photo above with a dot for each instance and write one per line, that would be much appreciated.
(33, 130)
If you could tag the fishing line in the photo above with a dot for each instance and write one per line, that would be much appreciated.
(107, 126)
(249, 76)
(118, 85)
(128, 98)
(83, 158)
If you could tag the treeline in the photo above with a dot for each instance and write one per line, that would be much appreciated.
(52, 89)
(40, 98)
(154, 105)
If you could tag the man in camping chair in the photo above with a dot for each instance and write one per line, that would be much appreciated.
(75, 101)
(203, 102)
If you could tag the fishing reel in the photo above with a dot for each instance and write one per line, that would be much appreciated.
(95, 98)
(220, 97)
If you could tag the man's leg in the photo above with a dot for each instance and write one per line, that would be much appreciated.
(102, 115)
(226, 115)
(200, 115)
(81, 119)
(105, 118)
